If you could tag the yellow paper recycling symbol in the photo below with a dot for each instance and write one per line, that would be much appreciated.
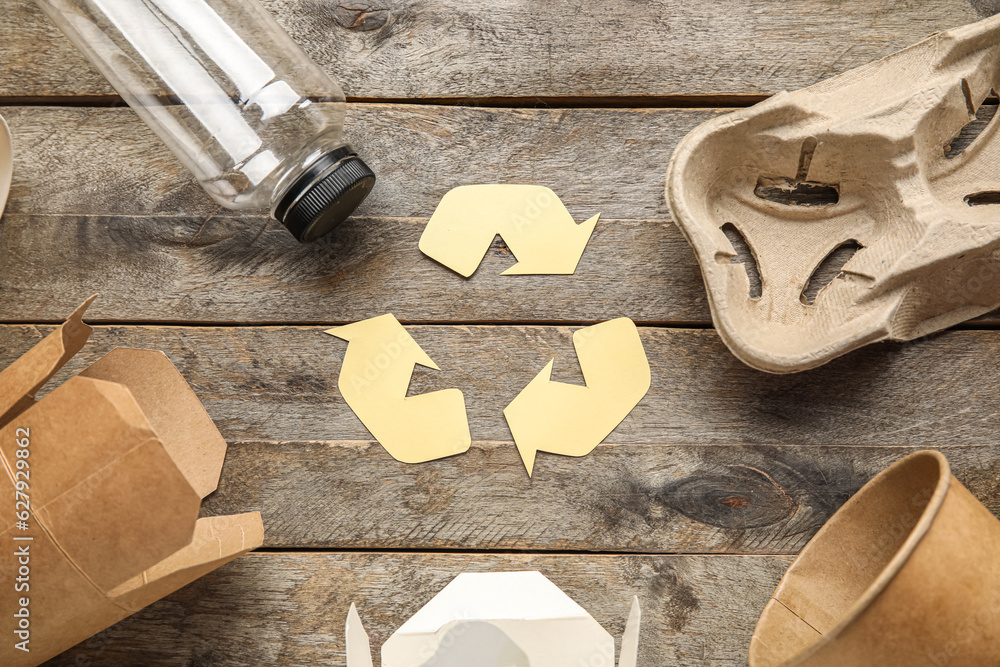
(531, 219)
(374, 379)
(572, 420)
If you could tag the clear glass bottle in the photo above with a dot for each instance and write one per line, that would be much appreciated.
(234, 97)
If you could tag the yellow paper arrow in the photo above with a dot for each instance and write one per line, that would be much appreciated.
(531, 219)
(374, 380)
(572, 420)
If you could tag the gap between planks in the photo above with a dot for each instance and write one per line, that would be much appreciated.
(244, 324)
(542, 102)
(279, 551)
(970, 325)
(598, 102)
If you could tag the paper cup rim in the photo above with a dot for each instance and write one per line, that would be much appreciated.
(895, 564)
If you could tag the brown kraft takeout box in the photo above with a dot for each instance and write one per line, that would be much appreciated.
(103, 481)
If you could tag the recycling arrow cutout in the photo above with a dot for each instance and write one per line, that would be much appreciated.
(570, 419)
(374, 379)
(531, 219)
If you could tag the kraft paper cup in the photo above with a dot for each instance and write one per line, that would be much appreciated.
(906, 574)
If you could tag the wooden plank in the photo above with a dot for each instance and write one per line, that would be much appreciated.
(455, 50)
(86, 161)
(184, 270)
(89, 181)
(280, 383)
(170, 269)
(652, 499)
(289, 608)
(105, 161)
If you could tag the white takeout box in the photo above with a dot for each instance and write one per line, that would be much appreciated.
(502, 619)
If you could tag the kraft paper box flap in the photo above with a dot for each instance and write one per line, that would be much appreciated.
(20, 381)
(127, 452)
(217, 540)
(515, 619)
(173, 410)
(106, 492)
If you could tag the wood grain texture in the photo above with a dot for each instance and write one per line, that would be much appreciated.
(652, 499)
(171, 269)
(105, 164)
(701, 532)
(109, 209)
(564, 48)
(289, 608)
(280, 383)
(96, 161)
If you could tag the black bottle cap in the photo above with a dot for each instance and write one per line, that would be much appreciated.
(325, 195)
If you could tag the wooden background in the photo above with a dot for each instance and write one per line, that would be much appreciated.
(698, 501)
